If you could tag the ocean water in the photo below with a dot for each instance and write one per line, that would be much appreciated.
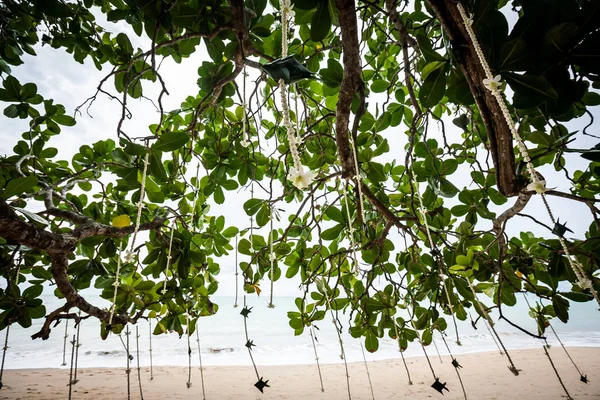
(222, 339)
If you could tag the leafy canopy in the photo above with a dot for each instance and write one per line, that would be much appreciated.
(391, 77)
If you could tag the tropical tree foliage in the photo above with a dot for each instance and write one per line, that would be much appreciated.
(398, 93)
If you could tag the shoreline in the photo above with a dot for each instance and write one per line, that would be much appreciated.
(484, 375)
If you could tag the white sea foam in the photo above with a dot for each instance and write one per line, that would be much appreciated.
(222, 339)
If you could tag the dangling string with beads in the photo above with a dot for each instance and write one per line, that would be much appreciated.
(200, 361)
(237, 273)
(401, 351)
(260, 384)
(583, 378)
(493, 84)
(4, 349)
(491, 324)
(187, 325)
(77, 346)
(455, 364)
(64, 360)
(438, 257)
(150, 341)
(129, 359)
(357, 179)
(137, 352)
(272, 258)
(338, 330)
(314, 344)
(71, 369)
(351, 229)
(362, 348)
(116, 287)
(173, 227)
(245, 142)
(437, 351)
(129, 257)
(557, 374)
(487, 325)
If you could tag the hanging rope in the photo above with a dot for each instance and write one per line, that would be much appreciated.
(245, 142)
(116, 287)
(200, 361)
(237, 273)
(137, 352)
(71, 369)
(438, 257)
(187, 323)
(338, 330)
(129, 257)
(583, 377)
(272, 259)
(150, 336)
(312, 337)
(173, 227)
(351, 229)
(4, 349)
(489, 330)
(260, 384)
(402, 352)
(367, 368)
(494, 86)
(437, 351)
(129, 359)
(557, 374)
(64, 360)
(455, 364)
(491, 326)
(75, 380)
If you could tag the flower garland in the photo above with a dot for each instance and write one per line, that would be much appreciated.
(130, 256)
(245, 142)
(351, 229)
(299, 177)
(494, 85)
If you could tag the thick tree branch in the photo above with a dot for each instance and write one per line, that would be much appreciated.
(500, 137)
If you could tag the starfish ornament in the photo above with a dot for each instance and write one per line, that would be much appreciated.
(245, 311)
(260, 385)
(439, 386)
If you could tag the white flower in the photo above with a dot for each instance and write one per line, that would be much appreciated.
(129, 257)
(272, 257)
(469, 21)
(585, 283)
(245, 143)
(539, 187)
(288, 8)
(299, 178)
(494, 84)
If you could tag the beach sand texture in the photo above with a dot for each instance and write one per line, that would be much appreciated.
(485, 376)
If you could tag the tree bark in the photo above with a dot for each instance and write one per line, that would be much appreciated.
(500, 138)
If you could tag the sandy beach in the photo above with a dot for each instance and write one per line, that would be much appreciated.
(485, 376)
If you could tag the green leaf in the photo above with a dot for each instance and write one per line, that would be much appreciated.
(371, 342)
(19, 185)
(433, 89)
(171, 141)
(252, 206)
(320, 24)
(332, 233)
(561, 308)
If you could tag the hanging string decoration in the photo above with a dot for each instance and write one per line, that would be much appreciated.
(200, 361)
(272, 259)
(116, 287)
(173, 227)
(351, 230)
(362, 348)
(299, 177)
(187, 323)
(338, 331)
(558, 375)
(129, 359)
(438, 257)
(494, 85)
(245, 142)
(71, 368)
(65, 337)
(455, 364)
(401, 351)
(260, 383)
(4, 349)
(130, 256)
(491, 326)
(237, 273)
(137, 353)
(150, 341)
(77, 346)
(314, 344)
